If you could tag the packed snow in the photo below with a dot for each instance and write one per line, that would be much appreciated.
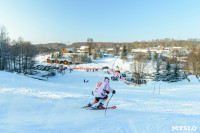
(55, 105)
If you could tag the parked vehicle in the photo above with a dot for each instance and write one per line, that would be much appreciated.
(114, 78)
(105, 67)
(123, 75)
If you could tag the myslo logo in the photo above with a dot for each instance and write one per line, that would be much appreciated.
(184, 128)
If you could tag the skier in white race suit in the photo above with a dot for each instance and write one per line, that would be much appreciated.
(100, 93)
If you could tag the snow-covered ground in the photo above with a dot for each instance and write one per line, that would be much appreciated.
(55, 106)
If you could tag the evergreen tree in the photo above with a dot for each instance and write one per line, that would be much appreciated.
(168, 66)
(157, 75)
(60, 55)
(124, 53)
(155, 56)
(100, 55)
(167, 76)
(149, 54)
(176, 72)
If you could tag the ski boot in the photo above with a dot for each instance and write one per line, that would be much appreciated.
(100, 106)
(88, 105)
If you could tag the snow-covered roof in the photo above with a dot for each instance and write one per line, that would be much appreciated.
(70, 49)
(109, 49)
(79, 51)
(167, 48)
(84, 47)
(177, 47)
(55, 52)
(139, 50)
(51, 58)
(153, 48)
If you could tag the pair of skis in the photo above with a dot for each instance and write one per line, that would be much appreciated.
(111, 107)
(95, 108)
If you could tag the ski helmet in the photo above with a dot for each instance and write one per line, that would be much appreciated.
(106, 79)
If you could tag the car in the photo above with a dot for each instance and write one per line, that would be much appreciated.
(43, 68)
(47, 69)
(123, 75)
(33, 67)
(38, 65)
(114, 78)
(105, 67)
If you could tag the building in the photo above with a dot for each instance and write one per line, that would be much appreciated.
(110, 51)
(159, 50)
(50, 60)
(67, 50)
(83, 49)
(135, 51)
(67, 62)
(92, 51)
(58, 61)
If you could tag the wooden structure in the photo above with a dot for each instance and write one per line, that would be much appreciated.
(66, 62)
(58, 61)
(50, 60)
(66, 50)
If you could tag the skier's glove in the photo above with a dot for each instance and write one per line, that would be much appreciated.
(113, 92)
(107, 92)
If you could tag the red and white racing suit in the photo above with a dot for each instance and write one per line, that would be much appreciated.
(100, 91)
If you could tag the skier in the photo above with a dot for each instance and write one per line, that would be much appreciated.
(100, 93)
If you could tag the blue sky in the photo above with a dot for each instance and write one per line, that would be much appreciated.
(68, 21)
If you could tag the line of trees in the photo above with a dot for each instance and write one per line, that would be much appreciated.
(189, 44)
(15, 55)
(193, 62)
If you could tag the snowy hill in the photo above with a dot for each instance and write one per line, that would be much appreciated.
(55, 105)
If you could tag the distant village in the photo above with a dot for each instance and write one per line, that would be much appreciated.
(66, 53)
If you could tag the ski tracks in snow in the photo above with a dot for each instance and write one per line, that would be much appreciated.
(40, 94)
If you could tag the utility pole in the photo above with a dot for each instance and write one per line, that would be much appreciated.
(1, 55)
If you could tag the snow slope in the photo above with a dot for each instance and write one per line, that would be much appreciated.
(54, 106)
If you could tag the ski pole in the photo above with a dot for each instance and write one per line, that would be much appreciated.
(107, 105)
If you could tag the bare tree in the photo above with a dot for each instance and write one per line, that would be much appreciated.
(29, 51)
(94, 56)
(193, 62)
(116, 50)
(74, 58)
(138, 65)
(4, 47)
(14, 54)
(90, 43)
